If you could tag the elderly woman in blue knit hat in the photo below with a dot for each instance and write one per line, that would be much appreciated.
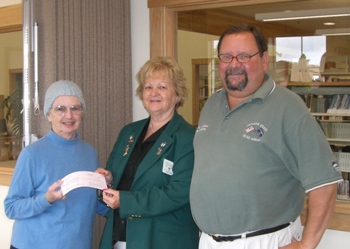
(44, 218)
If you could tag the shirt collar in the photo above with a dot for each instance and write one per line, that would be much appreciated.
(265, 90)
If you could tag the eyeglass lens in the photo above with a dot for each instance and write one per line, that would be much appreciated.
(243, 58)
(61, 110)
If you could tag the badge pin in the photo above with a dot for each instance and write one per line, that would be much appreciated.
(163, 144)
(126, 150)
(131, 139)
(159, 151)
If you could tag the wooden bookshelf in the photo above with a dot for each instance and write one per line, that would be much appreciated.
(341, 217)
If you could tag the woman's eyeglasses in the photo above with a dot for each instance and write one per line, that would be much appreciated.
(61, 110)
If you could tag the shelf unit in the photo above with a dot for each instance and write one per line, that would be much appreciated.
(335, 65)
(341, 217)
(335, 124)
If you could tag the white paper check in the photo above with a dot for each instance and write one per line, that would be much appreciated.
(83, 179)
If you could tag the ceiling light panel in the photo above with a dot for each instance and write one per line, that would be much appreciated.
(302, 14)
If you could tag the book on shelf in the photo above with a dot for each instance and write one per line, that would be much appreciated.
(319, 104)
(331, 104)
(308, 99)
(343, 192)
(340, 103)
(335, 104)
(345, 105)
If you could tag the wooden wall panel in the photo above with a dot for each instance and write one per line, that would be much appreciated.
(11, 18)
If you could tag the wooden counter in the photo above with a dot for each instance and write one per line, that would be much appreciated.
(6, 172)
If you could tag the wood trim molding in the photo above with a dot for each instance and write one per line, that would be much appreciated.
(169, 3)
(207, 21)
(11, 18)
(163, 24)
(183, 4)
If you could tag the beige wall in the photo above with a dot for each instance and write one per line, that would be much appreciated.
(192, 46)
(9, 2)
(11, 57)
(338, 45)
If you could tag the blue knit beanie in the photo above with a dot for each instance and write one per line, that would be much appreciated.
(62, 88)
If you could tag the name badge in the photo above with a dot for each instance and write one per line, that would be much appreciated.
(168, 167)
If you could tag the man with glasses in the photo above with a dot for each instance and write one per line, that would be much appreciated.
(258, 150)
(44, 218)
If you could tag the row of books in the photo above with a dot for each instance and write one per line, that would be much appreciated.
(340, 104)
(336, 103)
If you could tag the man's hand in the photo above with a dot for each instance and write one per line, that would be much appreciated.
(294, 245)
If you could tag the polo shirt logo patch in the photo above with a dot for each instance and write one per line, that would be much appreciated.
(260, 132)
(249, 129)
(254, 132)
(202, 127)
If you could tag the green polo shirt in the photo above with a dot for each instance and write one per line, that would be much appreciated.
(253, 164)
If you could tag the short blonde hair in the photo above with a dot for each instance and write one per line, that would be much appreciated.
(168, 67)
